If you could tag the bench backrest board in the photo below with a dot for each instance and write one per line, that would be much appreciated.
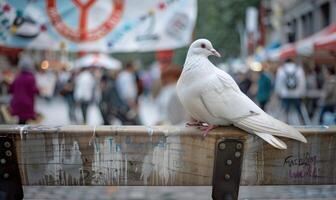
(140, 155)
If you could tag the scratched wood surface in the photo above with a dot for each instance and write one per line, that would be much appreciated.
(140, 155)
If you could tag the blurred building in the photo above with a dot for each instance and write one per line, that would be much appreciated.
(292, 20)
(302, 18)
(301, 29)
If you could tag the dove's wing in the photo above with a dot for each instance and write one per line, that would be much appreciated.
(223, 99)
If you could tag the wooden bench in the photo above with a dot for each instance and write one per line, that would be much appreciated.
(159, 156)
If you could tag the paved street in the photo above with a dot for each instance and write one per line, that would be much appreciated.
(55, 112)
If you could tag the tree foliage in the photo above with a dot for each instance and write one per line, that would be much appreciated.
(218, 21)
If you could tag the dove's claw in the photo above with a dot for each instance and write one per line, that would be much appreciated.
(204, 127)
(207, 129)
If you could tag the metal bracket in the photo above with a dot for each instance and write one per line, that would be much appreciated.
(10, 179)
(227, 169)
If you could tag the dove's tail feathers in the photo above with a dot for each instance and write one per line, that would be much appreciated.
(270, 139)
(264, 123)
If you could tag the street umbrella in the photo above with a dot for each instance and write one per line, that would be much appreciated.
(98, 60)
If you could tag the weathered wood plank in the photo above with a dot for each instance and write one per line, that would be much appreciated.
(138, 155)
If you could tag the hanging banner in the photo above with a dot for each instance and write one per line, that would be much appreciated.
(97, 25)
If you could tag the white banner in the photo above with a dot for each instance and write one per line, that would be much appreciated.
(97, 25)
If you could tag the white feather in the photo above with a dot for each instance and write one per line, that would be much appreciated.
(276, 142)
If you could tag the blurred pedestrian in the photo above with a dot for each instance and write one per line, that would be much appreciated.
(312, 90)
(105, 100)
(147, 82)
(139, 85)
(170, 109)
(46, 82)
(319, 76)
(83, 91)
(127, 84)
(290, 85)
(128, 89)
(329, 93)
(244, 82)
(24, 90)
(6, 78)
(111, 105)
(67, 92)
(264, 87)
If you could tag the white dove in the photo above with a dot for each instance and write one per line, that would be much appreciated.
(213, 98)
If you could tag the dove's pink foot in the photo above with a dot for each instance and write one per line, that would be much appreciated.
(207, 129)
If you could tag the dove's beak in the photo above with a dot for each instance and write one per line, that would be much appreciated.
(215, 53)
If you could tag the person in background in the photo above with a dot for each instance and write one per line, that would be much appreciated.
(329, 93)
(7, 77)
(139, 85)
(319, 76)
(170, 109)
(24, 90)
(104, 103)
(111, 105)
(46, 82)
(290, 85)
(244, 82)
(264, 87)
(84, 88)
(313, 93)
(128, 89)
(67, 92)
(147, 82)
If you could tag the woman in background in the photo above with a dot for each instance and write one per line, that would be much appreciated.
(24, 90)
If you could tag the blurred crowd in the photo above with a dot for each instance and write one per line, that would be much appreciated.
(289, 89)
(283, 89)
(115, 92)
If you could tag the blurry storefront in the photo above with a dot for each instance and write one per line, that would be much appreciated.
(305, 30)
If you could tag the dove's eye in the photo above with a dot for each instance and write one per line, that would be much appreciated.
(203, 46)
